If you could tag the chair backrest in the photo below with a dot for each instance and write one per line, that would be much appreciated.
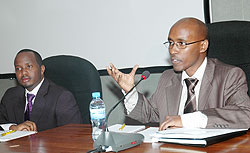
(226, 10)
(230, 43)
(78, 76)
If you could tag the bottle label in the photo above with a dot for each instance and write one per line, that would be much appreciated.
(97, 113)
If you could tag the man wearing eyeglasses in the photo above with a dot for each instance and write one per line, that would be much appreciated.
(198, 92)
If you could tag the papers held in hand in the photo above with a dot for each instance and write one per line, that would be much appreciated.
(195, 136)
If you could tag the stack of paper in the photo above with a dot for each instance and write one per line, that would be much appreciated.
(196, 136)
(148, 134)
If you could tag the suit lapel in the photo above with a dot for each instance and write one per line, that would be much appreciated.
(206, 85)
(19, 113)
(40, 102)
(173, 92)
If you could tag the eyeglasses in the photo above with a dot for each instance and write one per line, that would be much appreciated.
(179, 45)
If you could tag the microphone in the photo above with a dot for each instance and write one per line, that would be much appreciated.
(144, 76)
(119, 141)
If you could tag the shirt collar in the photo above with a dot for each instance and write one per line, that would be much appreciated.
(35, 90)
(198, 74)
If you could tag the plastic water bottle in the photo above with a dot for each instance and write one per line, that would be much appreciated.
(97, 115)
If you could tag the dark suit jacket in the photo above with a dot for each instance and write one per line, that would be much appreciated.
(223, 97)
(53, 106)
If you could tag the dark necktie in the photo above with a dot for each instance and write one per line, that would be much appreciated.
(30, 97)
(190, 105)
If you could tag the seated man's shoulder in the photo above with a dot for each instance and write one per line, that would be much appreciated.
(15, 91)
(220, 64)
(13, 95)
(224, 68)
(57, 89)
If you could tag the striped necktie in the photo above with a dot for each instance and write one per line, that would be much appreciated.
(190, 105)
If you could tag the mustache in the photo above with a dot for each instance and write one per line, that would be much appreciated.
(25, 77)
(175, 58)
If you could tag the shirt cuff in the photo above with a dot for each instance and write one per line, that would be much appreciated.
(194, 120)
(6, 126)
(130, 100)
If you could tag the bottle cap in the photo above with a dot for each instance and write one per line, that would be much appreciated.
(96, 95)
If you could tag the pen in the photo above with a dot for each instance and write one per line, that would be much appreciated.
(9, 132)
(121, 128)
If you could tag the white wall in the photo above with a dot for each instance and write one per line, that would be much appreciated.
(124, 32)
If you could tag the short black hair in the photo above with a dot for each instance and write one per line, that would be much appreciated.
(37, 55)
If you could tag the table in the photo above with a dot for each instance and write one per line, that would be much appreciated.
(76, 138)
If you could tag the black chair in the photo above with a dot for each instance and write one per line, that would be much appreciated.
(230, 43)
(78, 76)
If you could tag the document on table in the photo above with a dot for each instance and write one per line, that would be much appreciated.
(196, 136)
(126, 129)
(185, 136)
(148, 134)
(14, 135)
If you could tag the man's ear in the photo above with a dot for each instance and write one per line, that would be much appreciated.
(42, 69)
(204, 46)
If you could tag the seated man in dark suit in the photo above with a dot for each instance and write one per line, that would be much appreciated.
(198, 92)
(37, 103)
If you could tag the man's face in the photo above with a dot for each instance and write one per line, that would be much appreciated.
(188, 59)
(28, 72)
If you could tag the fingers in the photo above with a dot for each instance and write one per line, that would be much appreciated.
(113, 71)
(31, 126)
(164, 125)
(171, 122)
(134, 69)
(110, 68)
(25, 126)
(125, 81)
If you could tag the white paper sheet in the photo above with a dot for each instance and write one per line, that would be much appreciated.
(127, 128)
(14, 135)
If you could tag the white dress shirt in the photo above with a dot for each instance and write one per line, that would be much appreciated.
(34, 92)
(191, 120)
